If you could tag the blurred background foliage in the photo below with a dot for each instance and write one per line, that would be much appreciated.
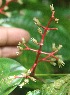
(22, 17)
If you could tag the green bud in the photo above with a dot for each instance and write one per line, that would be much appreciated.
(33, 79)
(54, 47)
(6, 8)
(23, 83)
(34, 40)
(8, 14)
(56, 20)
(28, 72)
(59, 47)
(59, 56)
(19, 43)
(60, 63)
(51, 7)
(26, 80)
(53, 59)
(20, 2)
(17, 53)
(23, 41)
(40, 31)
(21, 48)
(53, 63)
(36, 21)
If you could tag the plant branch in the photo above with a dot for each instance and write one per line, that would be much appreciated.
(41, 44)
(6, 4)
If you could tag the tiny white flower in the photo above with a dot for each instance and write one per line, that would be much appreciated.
(60, 63)
(59, 47)
(34, 40)
(8, 14)
(22, 84)
(33, 79)
(20, 2)
(53, 63)
(51, 7)
(40, 31)
(19, 43)
(29, 71)
(6, 8)
(56, 20)
(26, 80)
(17, 53)
(54, 47)
(36, 21)
(23, 41)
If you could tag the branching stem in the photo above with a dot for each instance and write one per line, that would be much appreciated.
(39, 51)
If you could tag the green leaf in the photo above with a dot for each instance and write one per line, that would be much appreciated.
(35, 92)
(58, 87)
(8, 68)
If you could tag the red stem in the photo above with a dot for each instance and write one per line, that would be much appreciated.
(38, 53)
(50, 55)
(52, 28)
(36, 61)
(41, 44)
(34, 50)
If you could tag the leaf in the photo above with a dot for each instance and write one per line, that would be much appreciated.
(58, 87)
(8, 68)
(35, 92)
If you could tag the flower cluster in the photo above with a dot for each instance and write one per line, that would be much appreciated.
(26, 77)
(50, 57)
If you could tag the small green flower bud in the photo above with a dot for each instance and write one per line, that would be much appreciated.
(23, 41)
(59, 47)
(40, 31)
(6, 8)
(26, 81)
(17, 53)
(20, 48)
(53, 63)
(54, 47)
(36, 21)
(51, 7)
(56, 20)
(20, 1)
(34, 40)
(59, 56)
(8, 14)
(29, 72)
(19, 43)
(53, 59)
(33, 79)
(60, 63)
(23, 83)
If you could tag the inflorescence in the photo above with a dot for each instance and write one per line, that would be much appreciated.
(50, 57)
